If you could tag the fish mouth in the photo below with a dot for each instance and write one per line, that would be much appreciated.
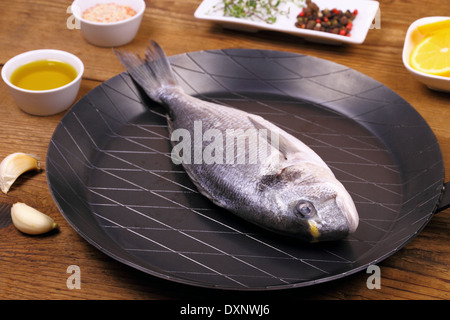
(348, 209)
(318, 235)
(313, 230)
(340, 228)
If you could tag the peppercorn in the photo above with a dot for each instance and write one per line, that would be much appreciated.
(332, 21)
(343, 20)
(310, 24)
(314, 7)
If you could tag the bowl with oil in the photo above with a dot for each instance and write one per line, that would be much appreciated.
(43, 82)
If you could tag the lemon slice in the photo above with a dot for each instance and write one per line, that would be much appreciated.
(432, 54)
(433, 27)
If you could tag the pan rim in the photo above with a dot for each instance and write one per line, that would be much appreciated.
(264, 54)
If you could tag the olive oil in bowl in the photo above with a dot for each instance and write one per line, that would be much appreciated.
(43, 75)
(43, 82)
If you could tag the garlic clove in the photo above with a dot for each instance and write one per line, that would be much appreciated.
(13, 166)
(31, 221)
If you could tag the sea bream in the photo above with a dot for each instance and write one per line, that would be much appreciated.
(288, 189)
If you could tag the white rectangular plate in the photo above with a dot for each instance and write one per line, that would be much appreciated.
(367, 10)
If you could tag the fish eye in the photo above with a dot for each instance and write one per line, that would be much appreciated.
(305, 209)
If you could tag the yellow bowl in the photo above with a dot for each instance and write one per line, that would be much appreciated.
(412, 39)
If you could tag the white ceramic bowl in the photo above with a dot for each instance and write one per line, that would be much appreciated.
(413, 37)
(43, 102)
(110, 34)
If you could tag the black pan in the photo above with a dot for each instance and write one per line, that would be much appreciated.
(110, 173)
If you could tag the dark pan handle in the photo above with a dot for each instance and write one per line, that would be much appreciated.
(444, 202)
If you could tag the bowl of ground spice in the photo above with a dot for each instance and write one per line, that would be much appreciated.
(109, 23)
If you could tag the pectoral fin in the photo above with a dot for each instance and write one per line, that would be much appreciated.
(293, 150)
(275, 137)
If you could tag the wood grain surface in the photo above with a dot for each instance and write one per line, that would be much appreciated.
(35, 267)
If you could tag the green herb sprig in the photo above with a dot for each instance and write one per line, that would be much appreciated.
(263, 10)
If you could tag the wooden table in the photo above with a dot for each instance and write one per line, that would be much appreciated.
(35, 267)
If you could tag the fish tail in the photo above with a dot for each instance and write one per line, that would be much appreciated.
(153, 73)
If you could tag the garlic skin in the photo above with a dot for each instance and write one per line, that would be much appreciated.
(13, 166)
(31, 221)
